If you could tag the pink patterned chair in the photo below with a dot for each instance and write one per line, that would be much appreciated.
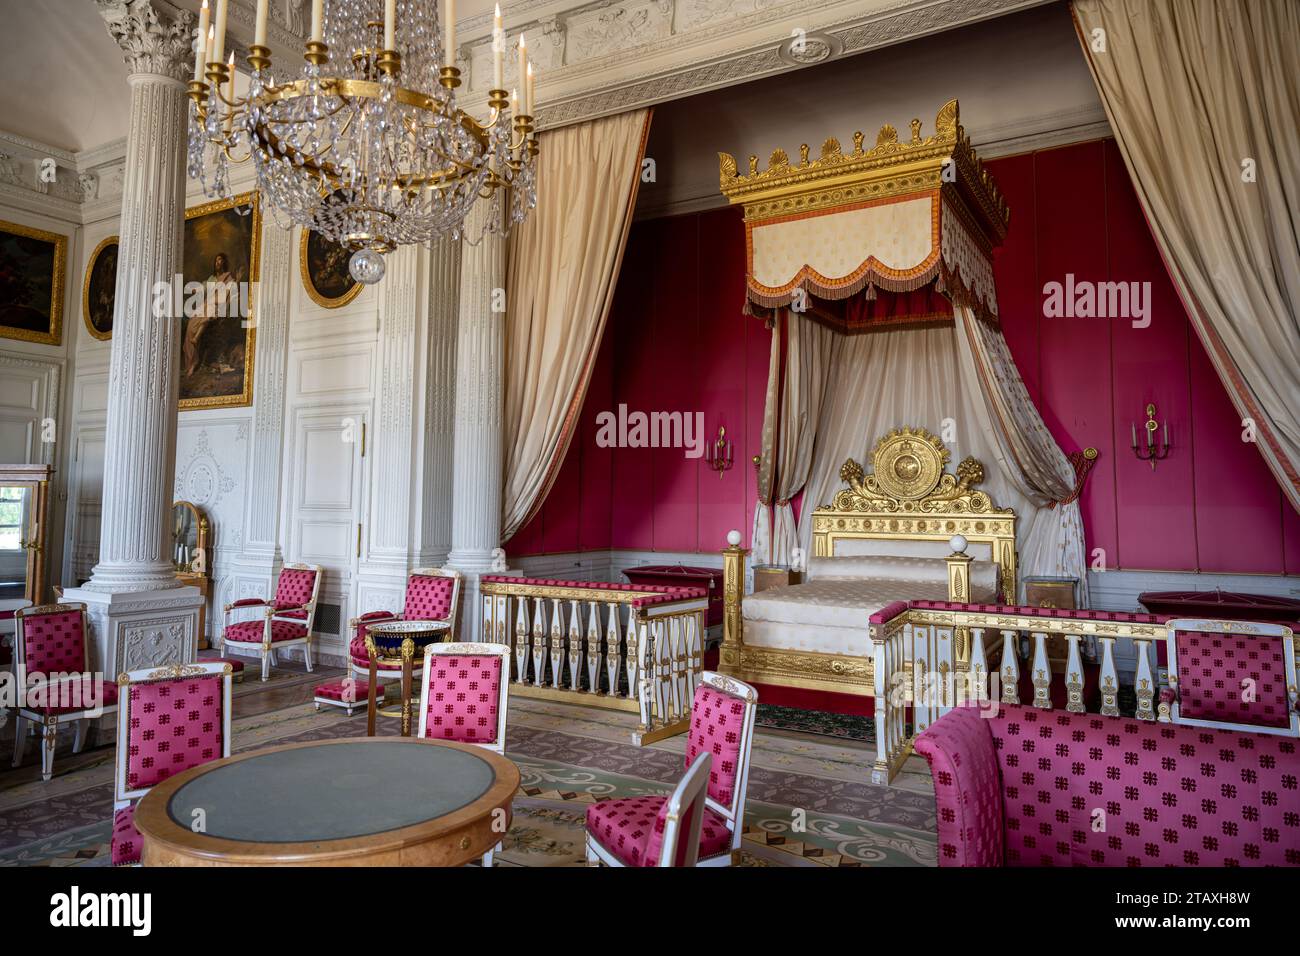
(1019, 786)
(170, 719)
(432, 594)
(1232, 675)
(656, 831)
(283, 621)
(630, 831)
(53, 678)
(463, 697)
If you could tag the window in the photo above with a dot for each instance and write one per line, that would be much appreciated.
(13, 505)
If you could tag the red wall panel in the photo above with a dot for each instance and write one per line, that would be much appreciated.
(677, 341)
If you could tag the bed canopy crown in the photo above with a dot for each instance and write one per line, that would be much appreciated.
(906, 223)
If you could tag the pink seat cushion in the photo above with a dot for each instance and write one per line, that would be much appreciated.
(294, 588)
(344, 691)
(252, 632)
(1215, 671)
(464, 694)
(632, 829)
(173, 725)
(716, 723)
(428, 597)
(72, 696)
(54, 643)
(126, 843)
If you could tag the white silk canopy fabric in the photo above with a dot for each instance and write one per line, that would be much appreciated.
(561, 272)
(1204, 99)
(960, 384)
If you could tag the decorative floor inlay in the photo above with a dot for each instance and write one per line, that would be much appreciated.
(810, 799)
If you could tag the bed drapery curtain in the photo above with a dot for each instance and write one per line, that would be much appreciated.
(1203, 99)
(810, 348)
(931, 377)
(760, 539)
(561, 271)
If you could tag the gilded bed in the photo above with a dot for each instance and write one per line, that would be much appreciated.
(888, 536)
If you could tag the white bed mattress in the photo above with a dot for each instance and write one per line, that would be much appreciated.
(831, 614)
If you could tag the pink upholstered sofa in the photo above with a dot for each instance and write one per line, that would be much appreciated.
(1030, 787)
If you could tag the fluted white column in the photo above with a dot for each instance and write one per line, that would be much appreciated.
(440, 401)
(140, 616)
(480, 369)
(140, 444)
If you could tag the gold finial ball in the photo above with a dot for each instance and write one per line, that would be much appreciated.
(907, 467)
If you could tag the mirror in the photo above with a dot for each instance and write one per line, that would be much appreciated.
(23, 490)
(190, 532)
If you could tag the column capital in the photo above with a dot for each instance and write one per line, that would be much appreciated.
(155, 38)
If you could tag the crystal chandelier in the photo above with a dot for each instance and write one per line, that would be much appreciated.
(366, 146)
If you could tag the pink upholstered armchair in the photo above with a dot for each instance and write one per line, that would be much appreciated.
(463, 697)
(1232, 675)
(432, 594)
(630, 831)
(281, 622)
(170, 719)
(54, 683)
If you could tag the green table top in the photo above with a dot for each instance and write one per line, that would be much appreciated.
(331, 792)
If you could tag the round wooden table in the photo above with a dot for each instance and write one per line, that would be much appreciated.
(362, 801)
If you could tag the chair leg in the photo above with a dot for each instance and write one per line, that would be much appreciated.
(306, 655)
(20, 739)
(592, 859)
(487, 857)
(79, 740)
(47, 751)
(266, 665)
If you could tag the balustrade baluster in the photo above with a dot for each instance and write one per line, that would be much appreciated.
(575, 646)
(1144, 684)
(978, 677)
(539, 642)
(1040, 669)
(521, 640)
(1010, 668)
(1074, 677)
(557, 644)
(593, 648)
(695, 650)
(611, 649)
(1109, 678)
(636, 631)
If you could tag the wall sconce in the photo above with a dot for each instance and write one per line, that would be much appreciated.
(1155, 450)
(719, 454)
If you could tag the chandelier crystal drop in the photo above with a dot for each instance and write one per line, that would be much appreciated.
(366, 145)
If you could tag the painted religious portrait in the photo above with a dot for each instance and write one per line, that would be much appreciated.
(97, 291)
(32, 264)
(324, 266)
(219, 265)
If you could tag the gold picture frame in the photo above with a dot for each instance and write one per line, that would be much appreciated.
(86, 290)
(189, 338)
(52, 334)
(305, 272)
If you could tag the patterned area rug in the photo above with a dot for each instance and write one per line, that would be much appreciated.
(810, 801)
(820, 722)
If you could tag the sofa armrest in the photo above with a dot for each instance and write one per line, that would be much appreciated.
(967, 788)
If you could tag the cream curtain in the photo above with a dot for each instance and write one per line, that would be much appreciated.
(1204, 99)
(928, 377)
(560, 275)
(809, 351)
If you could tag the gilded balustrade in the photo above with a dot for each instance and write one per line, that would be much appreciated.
(620, 647)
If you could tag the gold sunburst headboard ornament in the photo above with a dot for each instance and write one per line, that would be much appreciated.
(910, 496)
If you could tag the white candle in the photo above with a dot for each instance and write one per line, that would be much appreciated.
(449, 31)
(201, 41)
(498, 50)
(523, 58)
(259, 32)
(528, 91)
(318, 21)
(390, 24)
(219, 45)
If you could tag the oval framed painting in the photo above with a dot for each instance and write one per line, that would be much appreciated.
(99, 288)
(324, 265)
